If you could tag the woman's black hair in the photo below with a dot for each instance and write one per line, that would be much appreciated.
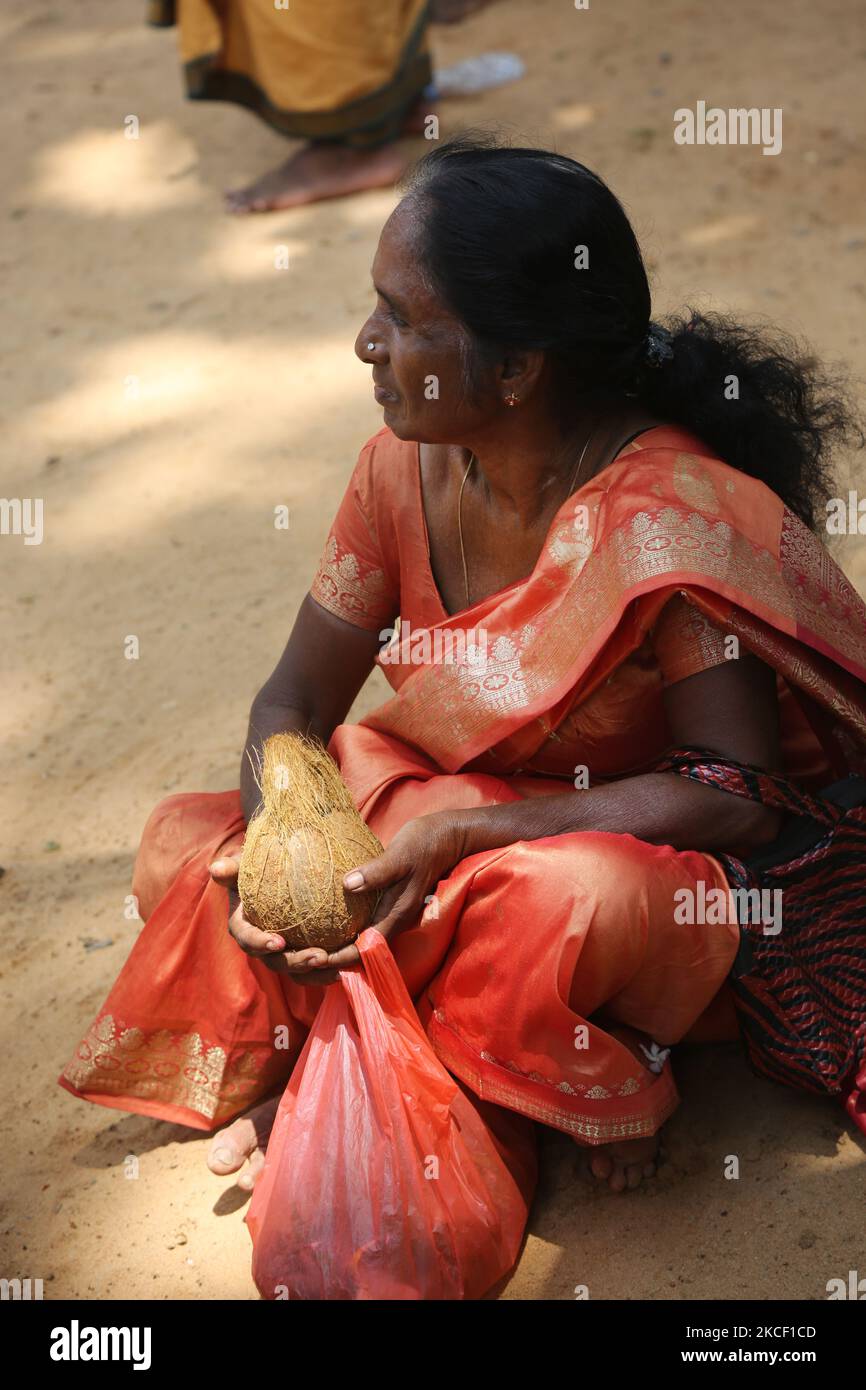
(532, 250)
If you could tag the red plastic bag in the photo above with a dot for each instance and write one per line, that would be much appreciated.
(382, 1180)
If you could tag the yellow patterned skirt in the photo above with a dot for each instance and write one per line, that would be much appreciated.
(314, 70)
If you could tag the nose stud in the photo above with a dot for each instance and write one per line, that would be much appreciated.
(371, 347)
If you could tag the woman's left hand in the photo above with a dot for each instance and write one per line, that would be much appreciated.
(421, 853)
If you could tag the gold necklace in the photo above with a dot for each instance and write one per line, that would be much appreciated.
(571, 484)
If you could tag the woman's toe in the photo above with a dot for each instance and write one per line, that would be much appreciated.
(251, 1173)
(617, 1180)
(224, 1159)
(601, 1166)
(231, 1148)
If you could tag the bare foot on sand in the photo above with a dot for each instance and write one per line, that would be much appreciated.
(244, 1141)
(624, 1164)
(318, 172)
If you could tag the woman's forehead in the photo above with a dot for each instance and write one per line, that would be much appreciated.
(401, 235)
(398, 264)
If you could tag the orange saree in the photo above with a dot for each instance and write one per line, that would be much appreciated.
(533, 965)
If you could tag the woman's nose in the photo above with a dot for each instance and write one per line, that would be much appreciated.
(369, 345)
(365, 343)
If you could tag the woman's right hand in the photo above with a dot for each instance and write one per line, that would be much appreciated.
(266, 946)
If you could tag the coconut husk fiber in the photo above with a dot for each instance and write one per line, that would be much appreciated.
(306, 836)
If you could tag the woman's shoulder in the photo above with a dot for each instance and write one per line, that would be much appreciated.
(658, 443)
(669, 462)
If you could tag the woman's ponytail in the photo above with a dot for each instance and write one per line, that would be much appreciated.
(756, 399)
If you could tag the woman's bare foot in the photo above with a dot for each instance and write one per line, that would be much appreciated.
(624, 1164)
(317, 172)
(244, 1140)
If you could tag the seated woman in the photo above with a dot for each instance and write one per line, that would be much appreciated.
(605, 526)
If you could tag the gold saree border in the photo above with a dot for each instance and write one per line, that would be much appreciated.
(830, 690)
(350, 589)
(582, 594)
(619, 1118)
(171, 1069)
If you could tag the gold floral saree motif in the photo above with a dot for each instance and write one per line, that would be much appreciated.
(180, 1069)
(597, 588)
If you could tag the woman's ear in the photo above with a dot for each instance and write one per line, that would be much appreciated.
(519, 373)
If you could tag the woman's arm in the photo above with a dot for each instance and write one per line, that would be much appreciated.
(311, 689)
(730, 709)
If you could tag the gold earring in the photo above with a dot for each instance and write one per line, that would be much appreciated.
(512, 398)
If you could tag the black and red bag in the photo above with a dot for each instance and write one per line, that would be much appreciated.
(800, 992)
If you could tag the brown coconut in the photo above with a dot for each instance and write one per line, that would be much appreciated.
(300, 844)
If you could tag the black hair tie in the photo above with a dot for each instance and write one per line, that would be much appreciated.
(658, 345)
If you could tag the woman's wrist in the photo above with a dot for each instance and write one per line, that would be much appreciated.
(493, 827)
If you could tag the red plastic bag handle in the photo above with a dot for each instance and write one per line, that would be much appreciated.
(384, 976)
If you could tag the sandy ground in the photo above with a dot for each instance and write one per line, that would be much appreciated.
(124, 272)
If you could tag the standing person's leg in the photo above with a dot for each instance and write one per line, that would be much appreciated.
(344, 76)
(319, 171)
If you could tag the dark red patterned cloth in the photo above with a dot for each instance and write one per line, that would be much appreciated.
(800, 985)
